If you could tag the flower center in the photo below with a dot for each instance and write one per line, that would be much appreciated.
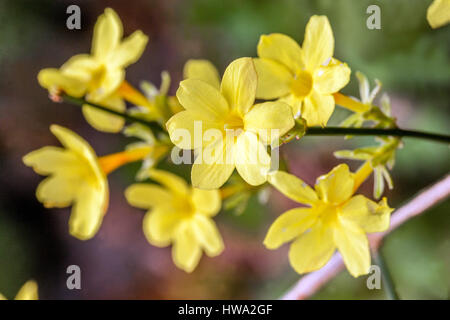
(302, 84)
(185, 206)
(97, 77)
(327, 213)
(233, 122)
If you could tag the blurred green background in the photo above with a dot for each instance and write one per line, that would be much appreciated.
(410, 58)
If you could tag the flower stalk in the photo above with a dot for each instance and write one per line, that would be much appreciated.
(337, 131)
(311, 131)
(155, 126)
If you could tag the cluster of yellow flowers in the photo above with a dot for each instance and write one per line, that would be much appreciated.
(302, 85)
(299, 82)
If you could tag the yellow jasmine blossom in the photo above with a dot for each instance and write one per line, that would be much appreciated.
(77, 178)
(58, 80)
(100, 73)
(29, 291)
(305, 77)
(230, 110)
(438, 13)
(334, 219)
(178, 215)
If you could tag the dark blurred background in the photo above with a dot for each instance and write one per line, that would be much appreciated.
(410, 58)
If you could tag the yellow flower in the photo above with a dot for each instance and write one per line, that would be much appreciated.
(29, 291)
(178, 215)
(228, 112)
(304, 77)
(438, 13)
(75, 177)
(335, 219)
(100, 73)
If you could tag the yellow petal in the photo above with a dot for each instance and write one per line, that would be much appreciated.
(288, 226)
(48, 160)
(353, 245)
(74, 142)
(336, 186)
(294, 102)
(58, 191)
(54, 80)
(252, 161)
(88, 211)
(202, 99)
(318, 45)
(239, 85)
(145, 195)
(273, 79)
(129, 50)
(438, 13)
(317, 109)
(107, 34)
(214, 173)
(102, 120)
(312, 250)
(82, 67)
(332, 78)
(160, 224)
(29, 291)
(207, 235)
(269, 120)
(367, 214)
(207, 202)
(174, 105)
(282, 49)
(186, 251)
(110, 82)
(2, 297)
(202, 70)
(182, 129)
(292, 187)
(172, 182)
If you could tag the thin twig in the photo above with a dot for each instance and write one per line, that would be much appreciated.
(331, 131)
(311, 131)
(312, 282)
(155, 126)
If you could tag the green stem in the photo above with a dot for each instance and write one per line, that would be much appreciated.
(332, 131)
(388, 284)
(155, 126)
(311, 131)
